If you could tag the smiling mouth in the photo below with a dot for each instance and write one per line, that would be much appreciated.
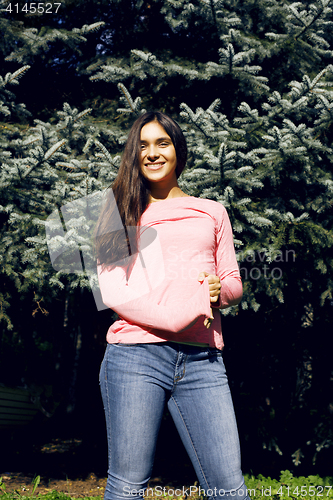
(154, 166)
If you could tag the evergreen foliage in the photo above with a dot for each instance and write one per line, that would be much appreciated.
(251, 84)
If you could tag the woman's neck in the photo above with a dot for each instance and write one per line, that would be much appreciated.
(158, 195)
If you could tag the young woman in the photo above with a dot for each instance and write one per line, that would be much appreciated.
(165, 261)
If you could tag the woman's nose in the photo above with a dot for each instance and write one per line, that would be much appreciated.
(152, 151)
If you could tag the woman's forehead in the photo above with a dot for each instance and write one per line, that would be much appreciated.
(153, 130)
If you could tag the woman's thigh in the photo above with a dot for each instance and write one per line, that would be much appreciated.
(133, 402)
(202, 409)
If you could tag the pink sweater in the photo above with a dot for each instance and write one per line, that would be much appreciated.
(163, 299)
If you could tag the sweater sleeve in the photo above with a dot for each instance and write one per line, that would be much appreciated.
(226, 265)
(137, 304)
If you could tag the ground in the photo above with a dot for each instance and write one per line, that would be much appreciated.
(79, 488)
(92, 486)
(61, 465)
(76, 467)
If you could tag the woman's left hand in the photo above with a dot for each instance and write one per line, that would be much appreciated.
(214, 285)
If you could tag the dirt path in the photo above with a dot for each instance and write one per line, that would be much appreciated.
(91, 486)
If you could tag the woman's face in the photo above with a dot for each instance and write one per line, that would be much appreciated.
(158, 154)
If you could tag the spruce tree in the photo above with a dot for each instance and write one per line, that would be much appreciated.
(39, 172)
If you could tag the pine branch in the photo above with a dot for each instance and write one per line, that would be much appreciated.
(307, 27)
(54, 148)
(10, 78)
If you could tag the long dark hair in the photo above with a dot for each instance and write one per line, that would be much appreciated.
(129, 196)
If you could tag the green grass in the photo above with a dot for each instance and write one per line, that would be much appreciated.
(288, 486)
(259, 487)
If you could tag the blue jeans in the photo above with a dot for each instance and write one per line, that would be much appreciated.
(136, 380)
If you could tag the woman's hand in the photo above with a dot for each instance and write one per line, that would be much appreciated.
(214, 290)
(208, 321)
(214, 285)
